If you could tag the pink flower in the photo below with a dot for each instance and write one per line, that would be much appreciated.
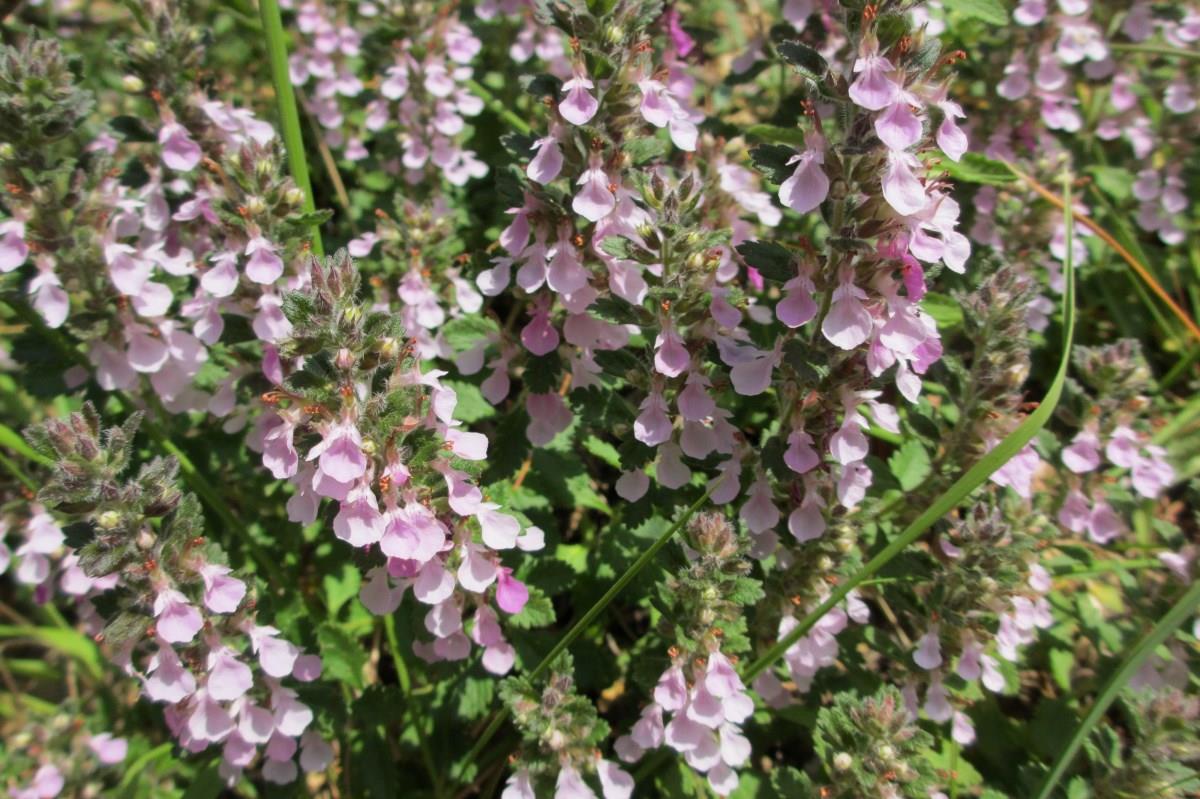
(807, 523)
(751, 378)
(540, 336)
(694, 402)
(222, 594)
(873, 89)
(652, 426)
(108, 749)
(13, 249)
(848, 322)
(228, 677)
(340, 453)
(759, 513)
(548, 162)
(808, 186)
(1083, 454)
(179, 152)
(578, 106)
(901, 188)
(178, 621)
(950, 136)
(797, 306)
(169, 681)
(929, 652)
(264, 265)
(671, 358)
(548, 416)
(358, 521)
(800, 456)
(596, 200)
(511, 593)
(898, 127)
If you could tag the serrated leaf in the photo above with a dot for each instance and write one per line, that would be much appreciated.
(342, 656)
(463, 332)
(538, 612)
(910, 464)
(603, 450)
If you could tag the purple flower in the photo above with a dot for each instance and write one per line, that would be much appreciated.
(578, 106)
(179, 152)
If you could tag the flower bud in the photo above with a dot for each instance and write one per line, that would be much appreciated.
(133, 84)
(145, 539)
(109, 520)
(345, 359)
(842, 761)
(256, 206)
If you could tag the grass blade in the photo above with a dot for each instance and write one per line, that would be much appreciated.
(1180, 612)
(968, 482)
(285, 99)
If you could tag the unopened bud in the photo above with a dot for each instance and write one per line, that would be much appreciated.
(842, 761)
(293, 196)
(7, 151)
(147, 48)
(145, 540)
(614, 34)
(133, 84)
(256, 206)
(368, 447)
(109, 520)
(886, 752)
(345, 359)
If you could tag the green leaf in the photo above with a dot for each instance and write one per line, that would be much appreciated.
(976, 168)
(807, 61)
(207, 784)
(1113, 181)
(773, 261)
(944, 309)
(462, 333)
(775, 133)
(538, 612)
(990, 11)
(342, 656)
(910, 464)
(1061, 661)
(341, 588)
(603, 450)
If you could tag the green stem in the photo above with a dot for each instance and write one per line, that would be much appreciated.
(493, 102)
(410, 708)
(577, 629)
(289, 118)
(1156, 49)
(1180, 612)
(968, 482)
(12, 468)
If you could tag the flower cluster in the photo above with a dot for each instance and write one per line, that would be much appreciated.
(57, 755)
(1147, 106)
(356, 420)
(560, 731)
(201, 211)
(420, 100)
(176, 619)
(700, 702)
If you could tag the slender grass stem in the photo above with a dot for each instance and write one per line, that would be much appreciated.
(1156, 49)
(494, 103)
(285, 99)
(1180, 612)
